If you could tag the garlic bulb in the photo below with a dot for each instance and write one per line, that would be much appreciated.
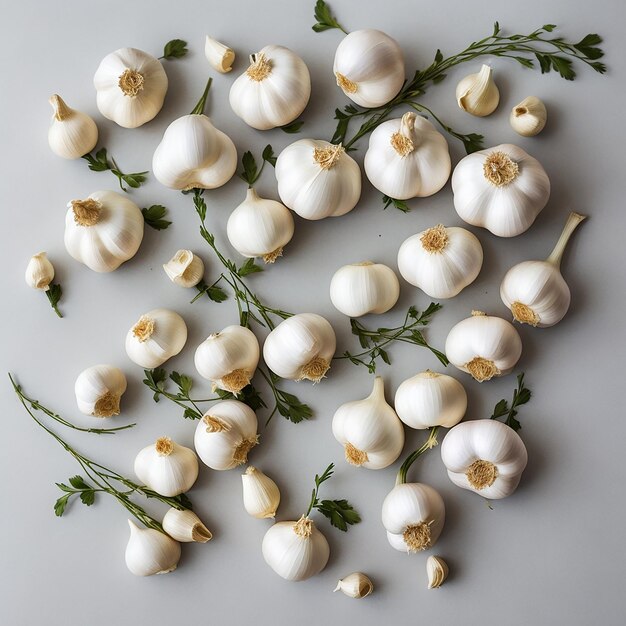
(369, 430)
(228, 358)
(185, 526)
(220, 57)
(261, 495)
(260, 227)
(484, 346)
(72, 133)
(502, 189)
(103, 231)
(185, 269)
(166, 467)
(273, 91)
(317, 179)
(485, 456)
(98, 390)
(430, 399)
(361, 288)
(477, 93)
(535, 291)
(157, 336)
(437, 571)
(131, 86)
(301, 347)
(369, 67)
(529, 117)
(150, 552)
(407, 158)
(355, 585)
(441, 261)
(39, 272)
(226, 434)
(295, 550)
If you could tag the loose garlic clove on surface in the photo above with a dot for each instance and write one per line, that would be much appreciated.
(98, 390)
(437, 571)
(185, 269)
(261, 495)
(356, 585)
(150, 552)
(477, 93)
(220, 57)
(72, 133)
(39, 272)
(185, 526)
(529, 117)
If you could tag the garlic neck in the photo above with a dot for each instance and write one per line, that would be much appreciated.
(200, 533)
(403, 141)
(327, 157)
(240, 454)
(523, 314)
(417, 537)
(144, 328)
(303, 527)
(87, 212)
(573, 220)
(378, 390)
(164, 446)
(131, 83)
(107, 405)
(499, 169)
(482, 369)
(435, 239)
(215, 424)
(518, 111)
(354, 456)
(481, 474)
(260, 67)
(346, 84)
(236, 381)
(61, 110)
(315, 370)
(252, 195)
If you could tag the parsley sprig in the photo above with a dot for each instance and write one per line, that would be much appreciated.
(54, 293)
(292, 128)
(101, 162)
(213, 291)
(251, 172)
(174, 49)
(521, 395)
(153, 216)
(325, 18)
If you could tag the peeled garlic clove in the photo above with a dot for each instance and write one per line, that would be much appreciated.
(437, 570)
(529, 117)
(39, 272)
(98, 390)
(185, 269)
(185, 526)
(220, 57)
(261, 495)
(150, 552)
(72, 133)
(477, 93)
(355, 585)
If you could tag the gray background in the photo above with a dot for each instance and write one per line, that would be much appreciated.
(553, 553)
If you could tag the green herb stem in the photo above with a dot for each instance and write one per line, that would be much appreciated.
(431, 442)
(54, 293)
(199, 108)
(103, 163)
(521, 395)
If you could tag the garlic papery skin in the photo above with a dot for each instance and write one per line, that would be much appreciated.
(220, 57)
(361, 288)
(228, 358)
(484, 346)
(317, 179)
(185, 269)
(131, 86)
(535, 291)
(437, 571)
(441, 261)
(150, 552)
(369, 67)
(477, 93)
(185, 526)
(167, 467)
(98, 390)
(407, 158)
(502, 189)
(430, 399)
(273, 91)
(260, 227)
(301, 347)
(39, 272)
(356, 585)
(369, 430)
(529, 117)
(226, 434)
(103, 231)
(157, 336)
(485, 456)
(295, 550)
(72, 133)
(261, 495)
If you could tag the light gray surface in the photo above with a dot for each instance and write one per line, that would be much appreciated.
(552, 554)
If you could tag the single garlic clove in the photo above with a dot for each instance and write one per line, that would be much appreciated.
(185, 269)
(529, 117)
(356, 585)
(261, 495)
(98, 390)
(185, 526)
(150, 552)
(437, 570)
(72, 133)
(220, 57)
(477, 93)
(39, 272)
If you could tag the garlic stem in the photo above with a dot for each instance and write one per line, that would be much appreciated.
(573, 220)
(61, 110)
(199, 108)
(260, 67)
(431, 442)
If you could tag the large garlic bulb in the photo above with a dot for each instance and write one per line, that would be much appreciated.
(317, 179)
(150, 552)
(72, 133)
(502, 189)
(477, 93)
(98, 390)
(131, 86)
(104, 230)
(407, 158)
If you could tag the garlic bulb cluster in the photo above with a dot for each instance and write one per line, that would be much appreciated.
(185, 269)
(98, 390)
(261, 495)
(502, 189)
(131, 86)
(361, 288)
(356, 585)
(485, 456)
(220, 56)
(103, 231)
(39, 272)
(72, 133)
(437, 571)
(407, 158)
(150, 552)
(185, 526)
(477, 93)
(301, 347)
(441, 261)
(529, 117)
(317, 179)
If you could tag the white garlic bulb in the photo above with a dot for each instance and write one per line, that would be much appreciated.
(301, 347)
(502, 189)
(72, 133)
(260, 227)
(103, 231)
(369, 430)
(185, 269)
(317, 179)
(356, 585)
(185, 526)
(98, 390)
(261, 495)
(369, 67)
(39, 272)
(529, 117)
(131, 86)
(150, 552)
(485, 456)
(228, 358)
(157, 336)
(361, 288)
(437, 571)
(226, 434)
(407, 158)
(167, 467)
(441, 261)
(535, 291)
(273, 91)
(477, 93)
(220, 57)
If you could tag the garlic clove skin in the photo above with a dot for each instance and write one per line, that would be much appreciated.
(98, 390)
(220, 57)
(356, 585)
(529, 117)
(261, 495)
(150, 552)
(437, 571)
(39, 272)
(185, 526)
(72, 133)
(185, 269)
(477, 93)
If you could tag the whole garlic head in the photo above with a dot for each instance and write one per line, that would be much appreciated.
(356, 585)
(477, 93)
(185, 526)
(39, 272)
(185, 269)
(72, 133)
(529, 117)
(150, 552)
(261, 495)
(98, 390)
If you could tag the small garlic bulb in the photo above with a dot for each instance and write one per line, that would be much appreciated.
(361, 288)
(369, 430)
(441, 261)
(529, 117)
(477, 93)
(261, 495)
(150, 552)
(301, 347)
(484, 346)
(185, 526)
(167, 467)
(39, 272)
(185, 269)
(72, 133)
(220, 57)
(355, 585)
(228, 358)
(98, 390)
(437, 571)
(157, 336)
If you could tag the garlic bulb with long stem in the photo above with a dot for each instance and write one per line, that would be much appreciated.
(356, 585)
(220, 57)
(185, 269)
(261, 495)
(437, 571)
(529, 117)
(477, 93)
(39, 272)
(150, 552)
(185, 526)
(72, 133)
(98, 390)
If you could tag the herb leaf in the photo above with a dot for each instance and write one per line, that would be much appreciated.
(521, 395)
(102, 163)
(339, 512)
(54, 293)
(401, 205)
(251, 172)
(249, 267)
(153, 216)
(325, 19)
(61, 504)
(292, 128)
(213, 292)
(174, 49)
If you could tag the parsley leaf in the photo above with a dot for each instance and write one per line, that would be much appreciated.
(102, 163)
(401, 205)
(292, 128)
(521, 396)
(153, 217)
(325, 19)
(174, 49)
(251, 172)
(54, 293)
(339, 512)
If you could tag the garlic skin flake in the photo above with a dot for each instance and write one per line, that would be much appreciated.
(39, 272)
(98, 390)
(220, 57)
(185, 526)
(185, 269)
(356, 585)
(437, 571)
(261, 495)
(150, 552)
(529, 117)
(72, 133)
(477, 93)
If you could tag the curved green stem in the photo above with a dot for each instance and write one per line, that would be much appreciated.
(431, 442)
(199, 108)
